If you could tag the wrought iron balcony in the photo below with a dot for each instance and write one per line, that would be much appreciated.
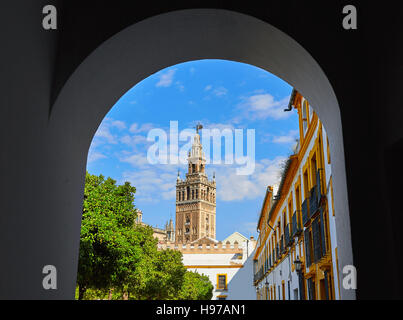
(282, 247)
(307, 241)
(316, 239)
(277, 252)
(319, 185)
(313, 201)
(258, 275)
(305, 211)
(287, 238)
(296, 224)
(323, 232)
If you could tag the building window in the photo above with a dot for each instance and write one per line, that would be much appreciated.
(304, 117)
(311, 289)
(328, 150)
(222, 281)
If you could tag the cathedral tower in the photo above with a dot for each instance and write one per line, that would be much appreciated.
(195, 198)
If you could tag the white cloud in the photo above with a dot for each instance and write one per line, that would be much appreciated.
(233, 187)
(103, 133)
(94, 156)
(180, 86)
(248, 227)
(263, 106)
(145, 127)
(136, 160)
(158, 182)
(166, 78)
(118, 124)
(152, 183)
(134, 140)
(289, 138)
(221, 91)
(218, 91)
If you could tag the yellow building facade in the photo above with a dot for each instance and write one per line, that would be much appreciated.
(296, 252)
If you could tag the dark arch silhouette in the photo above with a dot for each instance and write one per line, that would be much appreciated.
(131, 56)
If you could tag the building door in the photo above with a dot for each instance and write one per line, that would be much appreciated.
(322, 288)
(296, 297)
(283, 290)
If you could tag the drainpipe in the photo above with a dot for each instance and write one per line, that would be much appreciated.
(291, 99)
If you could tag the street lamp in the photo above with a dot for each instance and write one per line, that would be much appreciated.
(266, 284)
(298, 268)
(257, 293)
(298, 265)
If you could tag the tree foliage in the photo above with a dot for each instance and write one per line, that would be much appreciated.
(196, 287)
(107, 233)
(117, 253)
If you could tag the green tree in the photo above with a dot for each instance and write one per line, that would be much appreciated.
(107, 224)
(196, 287)
(117, 253)
(160, 277)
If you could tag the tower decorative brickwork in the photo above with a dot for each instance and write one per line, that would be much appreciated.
(195, 198)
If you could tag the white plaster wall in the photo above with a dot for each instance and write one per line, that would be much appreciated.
(193, 259)
(332, 219)
(283, 272)
(274, 277)
(239, 280)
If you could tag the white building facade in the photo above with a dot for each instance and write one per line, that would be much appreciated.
(229, 266)
(298, 223)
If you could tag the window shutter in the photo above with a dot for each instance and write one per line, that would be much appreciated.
(316, 240)
(309, 283)
(322, 232)
(318, 185)
(307, 247)
(294, 224)
(305, 213)
(326, 286)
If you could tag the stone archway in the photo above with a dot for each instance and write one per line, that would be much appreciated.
(145, 48)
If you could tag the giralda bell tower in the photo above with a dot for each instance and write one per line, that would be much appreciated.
(195, 198)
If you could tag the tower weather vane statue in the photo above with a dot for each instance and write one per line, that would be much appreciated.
(198, 127)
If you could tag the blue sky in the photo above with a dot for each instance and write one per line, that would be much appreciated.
(219, 94)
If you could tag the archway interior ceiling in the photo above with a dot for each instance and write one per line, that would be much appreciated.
(126, 66)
